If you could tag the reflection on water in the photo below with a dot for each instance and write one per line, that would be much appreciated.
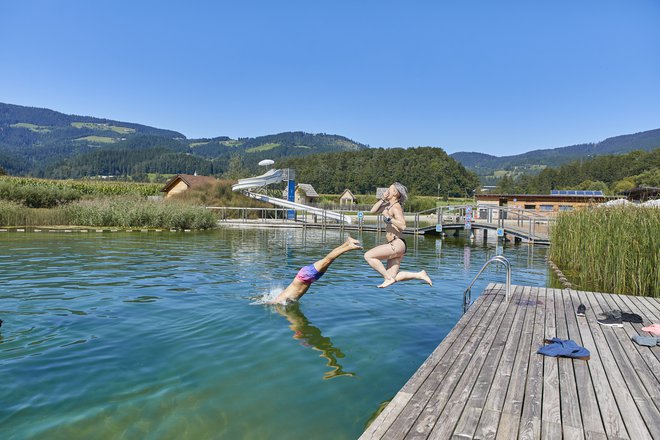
(311, 337)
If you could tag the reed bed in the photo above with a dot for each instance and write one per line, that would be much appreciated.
(124, 212)
(613, 250)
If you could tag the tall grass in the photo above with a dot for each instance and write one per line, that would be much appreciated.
(610, 249)
(125, 212)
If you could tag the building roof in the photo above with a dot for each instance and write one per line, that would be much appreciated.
(349, 192)
(308, 189)
(189, 179)
(575, 192)
(546, 197)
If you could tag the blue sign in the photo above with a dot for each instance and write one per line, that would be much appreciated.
(500, 232)
(360, 215)
(438, 228)
(291, 197)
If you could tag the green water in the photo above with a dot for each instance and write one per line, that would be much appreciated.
(160, 335)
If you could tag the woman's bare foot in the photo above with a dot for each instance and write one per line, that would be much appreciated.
(387, 282)
(426, 278)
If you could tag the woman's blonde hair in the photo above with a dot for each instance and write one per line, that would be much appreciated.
(403, 192)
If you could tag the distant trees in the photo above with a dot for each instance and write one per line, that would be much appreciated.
(611, 174)
(424, 170)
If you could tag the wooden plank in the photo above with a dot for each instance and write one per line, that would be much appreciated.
(446, 423)
(447, 354)
(490, 418)
(625, 407)
(379, 426)
(453, 372)
(650, 354)
(551, 415)
(628, 382)
(653, 305)
(511, 411)
(589, 411)
(468, 421)
(550, 430)
(530, 420)
(612, 421)
(400, 420)
(570, 405)
(485, 380)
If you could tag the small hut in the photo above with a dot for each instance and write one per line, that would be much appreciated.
(306, 194)
(347, 198)
(183, 182)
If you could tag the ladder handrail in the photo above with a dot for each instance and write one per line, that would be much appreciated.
(467, 294)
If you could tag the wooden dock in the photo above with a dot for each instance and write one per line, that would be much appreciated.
(486, 380)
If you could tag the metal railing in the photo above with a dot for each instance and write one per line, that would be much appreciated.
(467, 294)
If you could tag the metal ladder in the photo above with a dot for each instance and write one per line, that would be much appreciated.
(467, 295)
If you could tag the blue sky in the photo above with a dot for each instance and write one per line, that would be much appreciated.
(499, 77)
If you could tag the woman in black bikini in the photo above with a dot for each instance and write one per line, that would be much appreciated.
(395, 248)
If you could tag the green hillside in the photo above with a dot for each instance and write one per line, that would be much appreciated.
(45, 143)
(533, 162)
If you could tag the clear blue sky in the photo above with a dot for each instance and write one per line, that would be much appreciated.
(499, 77)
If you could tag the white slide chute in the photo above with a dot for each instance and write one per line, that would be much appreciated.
(276, 176)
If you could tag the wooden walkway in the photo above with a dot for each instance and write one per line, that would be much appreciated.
(486, 380)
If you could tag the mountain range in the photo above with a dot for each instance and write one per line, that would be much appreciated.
(47, 143)
(486, 165)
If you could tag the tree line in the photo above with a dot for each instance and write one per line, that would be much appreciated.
(610, 174)
(424, 170)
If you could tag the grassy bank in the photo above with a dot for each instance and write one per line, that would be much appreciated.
(127, 211)
(613, 250)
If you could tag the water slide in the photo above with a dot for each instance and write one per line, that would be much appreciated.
(276, 176)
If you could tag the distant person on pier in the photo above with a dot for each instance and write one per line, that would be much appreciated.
(310, 273)
(390, 206)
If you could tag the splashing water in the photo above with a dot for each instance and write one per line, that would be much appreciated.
(268, 297)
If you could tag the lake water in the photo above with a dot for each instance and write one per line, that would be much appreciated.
(160, 335)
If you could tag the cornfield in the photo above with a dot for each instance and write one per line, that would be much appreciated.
(613, 250)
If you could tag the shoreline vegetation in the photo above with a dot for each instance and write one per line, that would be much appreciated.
(610, 249)
(31, 202)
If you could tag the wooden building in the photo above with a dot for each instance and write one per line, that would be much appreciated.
(183, 182)
(642, 193)
(347, 198)
(545, 204)
(306, 194)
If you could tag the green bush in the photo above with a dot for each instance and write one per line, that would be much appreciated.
(36, 196)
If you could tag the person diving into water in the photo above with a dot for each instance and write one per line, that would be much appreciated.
(312, 272)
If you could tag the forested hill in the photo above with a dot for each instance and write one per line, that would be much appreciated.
(43, 120)
(424, 170)
(46, 143)
(485, 164)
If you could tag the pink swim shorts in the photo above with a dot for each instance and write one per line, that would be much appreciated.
(309, 274)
